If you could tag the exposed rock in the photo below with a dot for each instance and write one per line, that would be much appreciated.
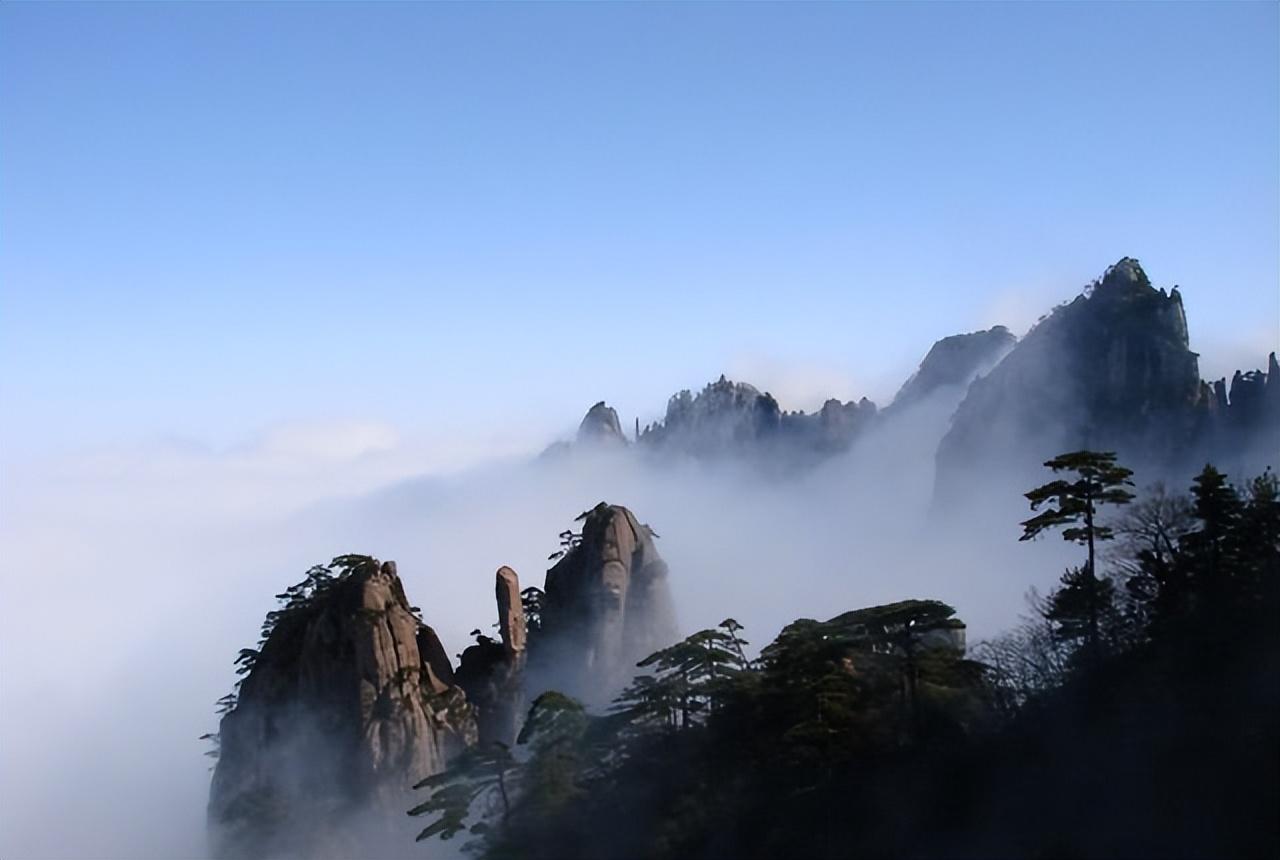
(731, 418)
(607, 605)
(491, 672)
(954, 362)
(1241, 427)
(601, 426)
(724, 417)
(510, 611)
(435, 660)
(348, 703)
(1111, 370)
(830, 430)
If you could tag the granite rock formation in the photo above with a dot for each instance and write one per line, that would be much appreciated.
(731, 418)
(607, 605)
(953, 363)
(600, 426)
(725, 417)
(492, 673)
(1240, 428)
(349, 701)
(1111, 370)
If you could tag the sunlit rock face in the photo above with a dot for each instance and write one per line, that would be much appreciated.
(607, 606)
(349, 703)
(1111, 370)
(492, 673)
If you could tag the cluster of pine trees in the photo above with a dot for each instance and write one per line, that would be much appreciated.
(1133, 714)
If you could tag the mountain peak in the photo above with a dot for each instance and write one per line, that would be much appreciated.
(954, 362)
(1125, 275)
(601, 425)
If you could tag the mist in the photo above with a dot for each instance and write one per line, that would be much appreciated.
(131, 590)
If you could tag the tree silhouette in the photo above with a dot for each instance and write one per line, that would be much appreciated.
(1073, 506)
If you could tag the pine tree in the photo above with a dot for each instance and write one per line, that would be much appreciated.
(1098, 480)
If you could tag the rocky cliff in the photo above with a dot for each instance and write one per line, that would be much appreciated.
(607, 605)
(735, 419)
(1111, 370)
(725, 417)
(953, 363)
(1241, 423)
(346, 704)
(600, 426)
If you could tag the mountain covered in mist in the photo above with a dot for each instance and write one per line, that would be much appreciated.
(350, 699)
(954, 362)
(877, 732)
(1111, 369)
(347, 702)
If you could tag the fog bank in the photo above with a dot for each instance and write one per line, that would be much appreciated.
(127, 598)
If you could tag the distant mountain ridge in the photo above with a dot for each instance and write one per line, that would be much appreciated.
(1110, 369)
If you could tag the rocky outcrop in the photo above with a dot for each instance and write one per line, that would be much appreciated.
(735, 419)
(492, 673)
(830, 430)
(1241, 424)
(350, 699)
(511, 624)
(607, 605)
(953, 363)
(600, 426)
(725, 417)
(1111, 370)
(348, 702)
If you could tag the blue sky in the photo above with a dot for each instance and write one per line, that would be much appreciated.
(218, 219)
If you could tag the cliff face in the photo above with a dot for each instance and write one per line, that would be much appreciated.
(349, 702)
(1241, 423)
(600, 426)
(953, 363)
(731, 418)
(350, 699)
(1111, 370)
(607, 606)
(725, 417)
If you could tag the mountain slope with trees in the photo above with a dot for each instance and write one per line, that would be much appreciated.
(1139, 722)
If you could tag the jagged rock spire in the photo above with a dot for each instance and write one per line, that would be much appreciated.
(601, 426)
(347, 703)
(607, 605)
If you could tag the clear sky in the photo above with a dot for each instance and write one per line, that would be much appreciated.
(220, 219)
